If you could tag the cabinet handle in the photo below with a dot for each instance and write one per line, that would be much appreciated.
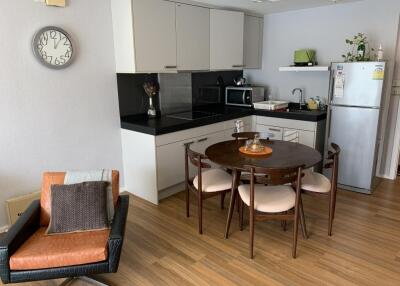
(274, 129)
(188, 143)
(202, 139)
(170, 67)
(237, 66)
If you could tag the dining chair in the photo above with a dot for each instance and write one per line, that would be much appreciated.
(317, 184)
(206, 184)
(276, 201)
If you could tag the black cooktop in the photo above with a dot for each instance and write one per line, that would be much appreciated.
(193, 115)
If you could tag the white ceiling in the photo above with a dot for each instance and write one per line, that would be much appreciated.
(273, 7)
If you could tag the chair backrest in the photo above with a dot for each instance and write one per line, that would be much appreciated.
(277, 176)
(333, 162)
(250, 135)
(57, 178)
(196, 159)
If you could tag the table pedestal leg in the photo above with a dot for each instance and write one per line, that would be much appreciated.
(235, 183)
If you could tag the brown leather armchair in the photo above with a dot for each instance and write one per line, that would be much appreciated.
(28, 254)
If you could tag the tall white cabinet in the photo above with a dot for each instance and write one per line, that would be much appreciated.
(193, 37)
(253, 42)
(226, 39)
(154, 35)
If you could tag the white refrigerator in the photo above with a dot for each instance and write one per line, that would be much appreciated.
(354, 113)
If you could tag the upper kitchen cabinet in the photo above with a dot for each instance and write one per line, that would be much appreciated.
(193, 37)
(253, 42)
(144, 36)
(226, 40)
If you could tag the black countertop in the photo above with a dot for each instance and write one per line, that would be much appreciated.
(165, 124)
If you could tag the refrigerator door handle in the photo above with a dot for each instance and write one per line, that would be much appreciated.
(329, 122)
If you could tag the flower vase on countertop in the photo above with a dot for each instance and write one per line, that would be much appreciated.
(151, 88)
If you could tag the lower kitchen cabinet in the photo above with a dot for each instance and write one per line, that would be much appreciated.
(276, 132)
(154, 166)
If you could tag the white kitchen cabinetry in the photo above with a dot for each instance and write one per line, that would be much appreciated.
(154, 165)
(305, 132)
(144, 35)
(226, 39)
(193, 37)
(253, 42)
(277, 132)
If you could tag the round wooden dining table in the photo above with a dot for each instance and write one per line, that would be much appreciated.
(284, 154)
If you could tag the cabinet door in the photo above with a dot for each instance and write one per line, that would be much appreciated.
(277, 132)
(299, 136)
(226, 39)
(253, 40)
(154, 35)
(171, 164)
(193, 37)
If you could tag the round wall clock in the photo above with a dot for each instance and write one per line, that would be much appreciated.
(52, 46)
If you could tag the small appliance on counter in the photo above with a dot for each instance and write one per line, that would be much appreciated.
(305, 57)
(244, 96)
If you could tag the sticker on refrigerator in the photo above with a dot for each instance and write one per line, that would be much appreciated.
(338, 89)
(379, 73)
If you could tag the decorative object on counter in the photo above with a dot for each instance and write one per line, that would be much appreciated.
(360, 49)
(151, 87)
(305, 57)
(255, 147)
(240, 81)
(239, 126)
(380, 54)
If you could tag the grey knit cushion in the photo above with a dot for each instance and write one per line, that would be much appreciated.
(78, 207)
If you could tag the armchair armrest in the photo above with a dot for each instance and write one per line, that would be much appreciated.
(25, 226)
(117, 232)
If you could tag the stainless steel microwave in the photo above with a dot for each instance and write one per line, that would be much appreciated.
(244, 96)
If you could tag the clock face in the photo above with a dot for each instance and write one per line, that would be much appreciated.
(52, 46)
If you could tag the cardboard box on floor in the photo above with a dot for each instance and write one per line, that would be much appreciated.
(16, 206)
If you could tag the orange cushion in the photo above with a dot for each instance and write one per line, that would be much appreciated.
(52, 178)
(48, 251)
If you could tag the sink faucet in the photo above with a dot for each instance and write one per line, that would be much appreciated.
(301, 100)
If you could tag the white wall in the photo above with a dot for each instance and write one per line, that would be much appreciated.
(56, 120)
(324, 29)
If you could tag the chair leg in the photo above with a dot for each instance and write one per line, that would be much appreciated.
(187, 202)
(303, 220)
(331, 213)
(235, 182)
(295, 231)
(237, 202)
(241, 206)
(284, 224)
(223, 200)
(200, 211)
(251, 239)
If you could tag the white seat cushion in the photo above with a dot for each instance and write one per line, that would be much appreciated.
(315, 182)
(214, 180)
(269, 199)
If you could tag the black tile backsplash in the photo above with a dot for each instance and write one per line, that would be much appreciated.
(206, 88)
(209, 87)
(131, 95)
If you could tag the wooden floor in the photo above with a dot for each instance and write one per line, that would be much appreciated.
(162, 247)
